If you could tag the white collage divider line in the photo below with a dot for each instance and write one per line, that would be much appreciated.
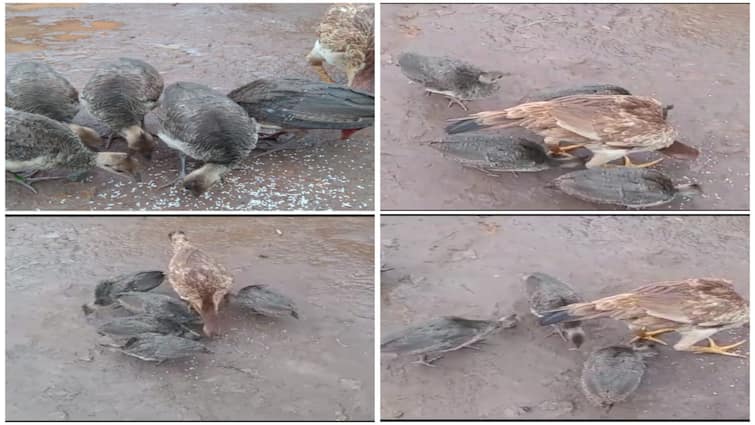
(377, 205)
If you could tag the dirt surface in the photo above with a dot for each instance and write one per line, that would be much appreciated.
(222, 46)
(692, 56)
(465, 265)
(316, 368)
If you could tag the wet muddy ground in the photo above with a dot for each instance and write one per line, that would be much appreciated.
(222, 46)
(315, 368)
(692, 56)
(465, 265)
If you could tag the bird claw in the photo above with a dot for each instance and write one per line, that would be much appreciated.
(453, 100)
(714, 348)
(171, 183)
(425, 361)
(650, 336)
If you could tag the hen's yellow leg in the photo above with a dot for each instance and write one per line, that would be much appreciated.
(324, 76)
(628, 163)
(714, 348)
(570, 147)
(650, 336)
(558, 150)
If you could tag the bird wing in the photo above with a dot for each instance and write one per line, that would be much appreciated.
(296, 103)
(576, 121)
(195, 275)
(701, 302)
(612, 120)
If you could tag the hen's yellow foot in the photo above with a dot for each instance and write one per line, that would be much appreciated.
(714, 348)
(650, 336)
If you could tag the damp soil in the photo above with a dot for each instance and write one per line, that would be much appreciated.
(315, 368)
(692, 56)
(466, 265)
(221, 46)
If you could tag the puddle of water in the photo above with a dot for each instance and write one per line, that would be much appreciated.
(26, 33)
(37, 6)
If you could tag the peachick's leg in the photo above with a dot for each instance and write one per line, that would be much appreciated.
(181, 171)
(558, 331)
(428, 361)
(27, 180)
(109, 140)
(455, 100)
(21, 181)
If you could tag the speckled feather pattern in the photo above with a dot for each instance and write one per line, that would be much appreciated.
(159, 306)
(106, 291)
(122, 92)
(37, 88)
(304, 104)
(620, 122)
(611, 374)
(262, 300)
(213, 127)
(122, 327)
(446, 74)
(546, 293)
(349, 28)
(51, 144)
(591, 89)
(494, 152)
(633, 187)
(704, 302)
(158, 348)
(196, 277)
(438, 336)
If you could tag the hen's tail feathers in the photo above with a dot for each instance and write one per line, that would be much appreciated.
(479, 121)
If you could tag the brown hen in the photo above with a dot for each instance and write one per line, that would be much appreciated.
(198, 279)
(695, 308)
(346, 40)
(610, 126)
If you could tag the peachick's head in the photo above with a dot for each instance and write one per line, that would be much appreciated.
(140, 141)
(88, 136)
(202, 179)
(574, 333)
(490, 77)
(118, 163)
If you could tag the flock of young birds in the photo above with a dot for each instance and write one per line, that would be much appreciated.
(157, 327)
(694, 308)
(201, 123)
(605, 120)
